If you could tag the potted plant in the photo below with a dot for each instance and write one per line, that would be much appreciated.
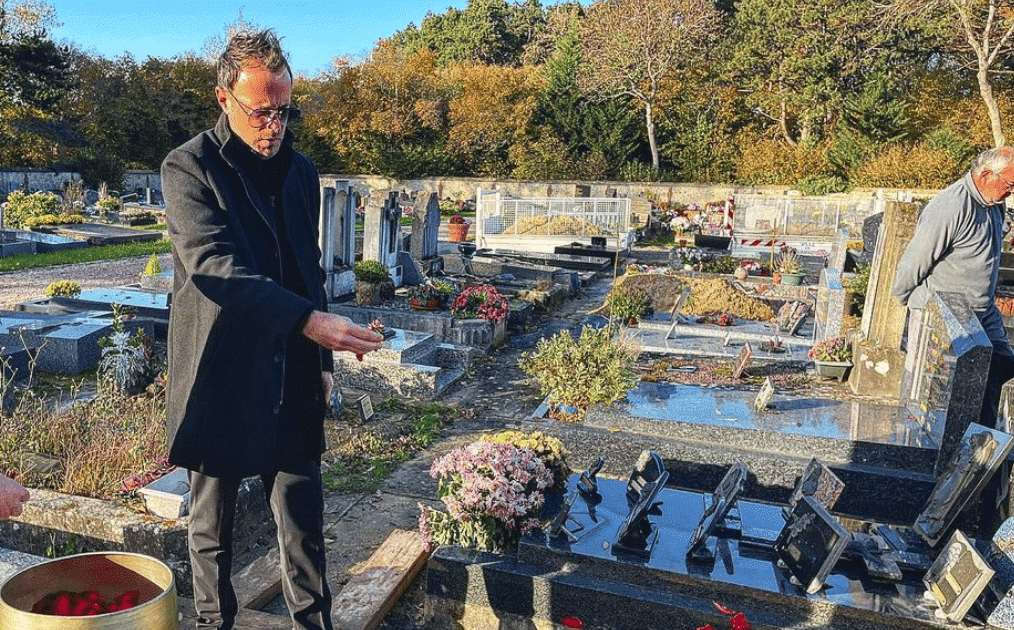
(373, 282)
(789, 267)
(427, 296)
(458, 228)
(832, 357)
(481, 302)
(492, 493)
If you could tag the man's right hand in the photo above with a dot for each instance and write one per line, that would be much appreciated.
(335, 332)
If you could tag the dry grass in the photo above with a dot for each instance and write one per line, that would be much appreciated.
(706, 295)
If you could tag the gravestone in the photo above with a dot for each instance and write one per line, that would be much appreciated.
(338, 239)
(871, 229)
(879, 360)
(833, 305)
(957, 578)
(945, 370)
(811, 543)
(973, 462)
(382, 236)
(425, 226)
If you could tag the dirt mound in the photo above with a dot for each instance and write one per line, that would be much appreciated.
(706, 295)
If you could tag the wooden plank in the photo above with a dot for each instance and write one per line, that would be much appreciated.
(371, 593)
(260, 581)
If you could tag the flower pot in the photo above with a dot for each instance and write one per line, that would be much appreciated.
(833, 369)
(458, 231)
(792, 279)
(373, 293)
(424, 305)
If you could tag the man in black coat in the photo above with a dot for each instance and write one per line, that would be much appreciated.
(250, 337)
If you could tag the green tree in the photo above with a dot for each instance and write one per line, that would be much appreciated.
(630, 46)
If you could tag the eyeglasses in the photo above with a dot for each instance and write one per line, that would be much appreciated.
(261, 118)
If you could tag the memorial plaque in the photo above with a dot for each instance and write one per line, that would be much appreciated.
(744, 358)
(811, 543)
(365, 405)
(957, 577)
(976, 458)
(819, 482)
(587, 484)
(763, 398)
(722, 500)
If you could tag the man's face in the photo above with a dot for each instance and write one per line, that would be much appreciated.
(257, 88)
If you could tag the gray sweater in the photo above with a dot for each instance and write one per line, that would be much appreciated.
(956, 248)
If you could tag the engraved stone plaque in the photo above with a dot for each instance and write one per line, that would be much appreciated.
(811, 543)
(957, 577)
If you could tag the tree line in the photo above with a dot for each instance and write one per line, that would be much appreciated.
(821, 95)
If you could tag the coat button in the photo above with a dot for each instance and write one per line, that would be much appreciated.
(278, 357)
(277, 409)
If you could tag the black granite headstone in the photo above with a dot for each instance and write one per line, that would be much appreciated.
(977, 457)
(722, 501)
(819, 482)
(871, 228)
(648, 468)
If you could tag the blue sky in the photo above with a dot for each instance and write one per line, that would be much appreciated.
(313, 31)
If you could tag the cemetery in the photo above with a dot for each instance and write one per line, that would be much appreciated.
(685, 464)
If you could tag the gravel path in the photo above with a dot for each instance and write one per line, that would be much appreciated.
(17, 287)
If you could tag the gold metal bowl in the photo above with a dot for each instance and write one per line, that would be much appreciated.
(108, 573)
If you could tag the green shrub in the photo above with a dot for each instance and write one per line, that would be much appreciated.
(592, 369)
(370, 271)
(53, 219)
(22, 206)
(627, 302)
(63, 288)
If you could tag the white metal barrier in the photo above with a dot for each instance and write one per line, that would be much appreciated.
(541, 224)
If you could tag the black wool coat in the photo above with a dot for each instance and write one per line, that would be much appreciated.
(244, 391)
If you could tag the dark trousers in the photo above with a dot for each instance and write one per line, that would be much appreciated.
(297, 504)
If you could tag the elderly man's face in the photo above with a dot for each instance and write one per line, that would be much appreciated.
(257, 88)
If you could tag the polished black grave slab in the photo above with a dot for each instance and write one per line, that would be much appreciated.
(585, 575)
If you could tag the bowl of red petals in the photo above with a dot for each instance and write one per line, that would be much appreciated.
(91, 591)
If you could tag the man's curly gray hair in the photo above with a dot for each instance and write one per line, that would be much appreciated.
(246, 47)
(994, 160)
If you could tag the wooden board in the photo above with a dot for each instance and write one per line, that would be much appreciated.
(370, 594)
(260, 581)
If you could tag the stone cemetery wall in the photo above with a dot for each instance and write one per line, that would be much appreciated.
(23, 178)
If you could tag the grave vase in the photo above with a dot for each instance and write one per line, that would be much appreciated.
(458, 231)
(833, 369)
(792, 279)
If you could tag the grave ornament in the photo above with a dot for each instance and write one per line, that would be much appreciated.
(819, 482)
(648, 468)
(722, 501)
(810, 544)
(744, 358)
(586, 483)
(957, 578)
(763, 398)
(637, 535)
(976, 458)
(559, 522)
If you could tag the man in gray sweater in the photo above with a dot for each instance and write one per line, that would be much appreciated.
(956, 248)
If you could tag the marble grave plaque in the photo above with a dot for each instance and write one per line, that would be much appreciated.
(763, 398)
(957, 577)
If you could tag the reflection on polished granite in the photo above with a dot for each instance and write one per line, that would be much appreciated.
(800, 416)
(737, 563)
